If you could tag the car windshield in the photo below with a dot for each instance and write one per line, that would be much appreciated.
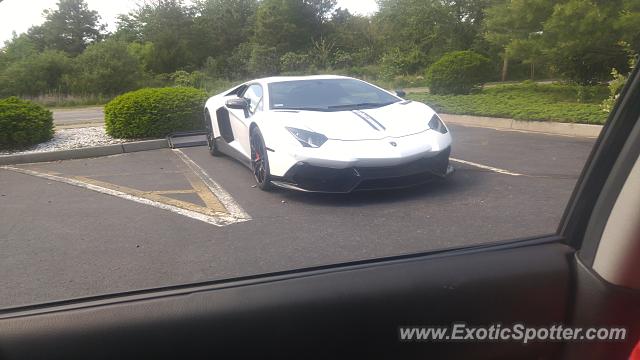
(327, 95)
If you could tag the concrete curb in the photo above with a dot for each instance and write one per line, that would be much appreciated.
(546, 127)
(84, 153)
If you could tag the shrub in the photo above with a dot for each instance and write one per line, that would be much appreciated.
(616, 85)
(23, 123)
(36, 74)
(264, 61)
(342, 60)
(398, 62)
(183, 78)
(150, 113)
(458, 72)
(527, 101)
(291, 61)
(106, 68)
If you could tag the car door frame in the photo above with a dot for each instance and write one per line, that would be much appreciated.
(241, 121)
(338, 309)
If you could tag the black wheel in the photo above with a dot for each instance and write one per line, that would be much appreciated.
(260, 160)
(211, 142)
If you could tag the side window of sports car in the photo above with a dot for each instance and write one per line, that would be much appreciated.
(254, 96)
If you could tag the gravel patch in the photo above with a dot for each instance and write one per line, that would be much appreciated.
(68, 139)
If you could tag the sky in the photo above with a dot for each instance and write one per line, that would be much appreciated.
(20, 15)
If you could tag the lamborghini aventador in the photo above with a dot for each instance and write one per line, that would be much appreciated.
(328, 134)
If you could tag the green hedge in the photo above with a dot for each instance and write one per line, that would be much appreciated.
(458, 72)
(23, 123)
(548, 102)
(152, 113)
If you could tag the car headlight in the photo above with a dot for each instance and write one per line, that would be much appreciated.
(436, 124)
(308, 138)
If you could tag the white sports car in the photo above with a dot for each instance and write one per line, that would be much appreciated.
(327, 134)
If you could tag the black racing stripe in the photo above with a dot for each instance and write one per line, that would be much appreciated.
(376, 121)
(370, 118)
(361, 116)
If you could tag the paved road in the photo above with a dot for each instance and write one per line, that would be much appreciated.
(60, 241)
(81, 116)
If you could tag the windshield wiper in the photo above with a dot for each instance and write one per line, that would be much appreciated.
(361, 105)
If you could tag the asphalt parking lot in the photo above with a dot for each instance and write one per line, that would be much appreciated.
(165, 217)
(72, 117)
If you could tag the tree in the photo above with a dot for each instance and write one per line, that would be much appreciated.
(264, 61)
(582, 40)
(431, 28)
(222, 25)
(36, 74)
(106, 68)
(69, 28)
(355, 36)
(169, 25)
(16, 49)
(516, 27)
(629, 24)
(291, 25)
(320, 12)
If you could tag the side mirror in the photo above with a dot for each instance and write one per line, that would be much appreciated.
(401, 93)
(237, 103)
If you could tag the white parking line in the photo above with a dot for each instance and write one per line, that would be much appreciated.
(234, 213)
(486, 167)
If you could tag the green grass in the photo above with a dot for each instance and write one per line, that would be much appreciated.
(527, 101)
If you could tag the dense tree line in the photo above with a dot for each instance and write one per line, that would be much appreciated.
(170, 41)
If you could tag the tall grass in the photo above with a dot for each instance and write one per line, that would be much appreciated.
(62, 100)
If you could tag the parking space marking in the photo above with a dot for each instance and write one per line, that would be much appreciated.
(223, 196)
(486, 167)
(215, 210)
(220, 208)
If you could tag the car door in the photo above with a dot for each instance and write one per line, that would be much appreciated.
(368, 308)
(241, 119)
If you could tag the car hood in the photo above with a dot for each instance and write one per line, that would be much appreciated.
(395, 120)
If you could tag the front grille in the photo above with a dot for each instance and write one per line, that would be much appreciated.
(396, 182)
(436, 165)
(313, 178)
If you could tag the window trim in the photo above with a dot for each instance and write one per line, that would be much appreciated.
(584, 218)
(248, 86)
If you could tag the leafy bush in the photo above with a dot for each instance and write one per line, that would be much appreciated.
(458, 72)
(549, 102)
(264, 61)
(36, 75)
(23, 123)
(106, 68)
(398, 62)
(342, 60)
(616, 85)
(321, 52)
(294, 62)
(239, 62)
(151, 113)
(370, 72)
(183, 78)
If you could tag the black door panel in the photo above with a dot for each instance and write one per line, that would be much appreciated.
(600, 304)
(224, 124)
(347, 310)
